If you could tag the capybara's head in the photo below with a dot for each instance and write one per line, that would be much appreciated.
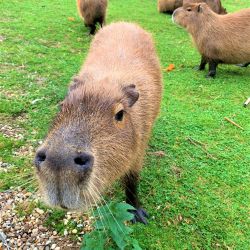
(190, 14)
(90, 143)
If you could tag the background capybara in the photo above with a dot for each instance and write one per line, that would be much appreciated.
(218, 38)
(215, 5)
(105, 121)
(168, 6)
(92, 12)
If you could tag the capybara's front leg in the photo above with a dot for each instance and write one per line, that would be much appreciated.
(92, 29)
(131, 184)
(202, 64)
(212, 69)
(243, 65)
(103, 23)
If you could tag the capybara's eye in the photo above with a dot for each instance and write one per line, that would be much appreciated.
(189, 9)
(119, 115)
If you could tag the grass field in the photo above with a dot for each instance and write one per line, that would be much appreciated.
(195, 201)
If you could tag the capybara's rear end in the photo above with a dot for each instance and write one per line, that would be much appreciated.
(92, 12)
(101, 132)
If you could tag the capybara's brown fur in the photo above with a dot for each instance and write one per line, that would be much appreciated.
(215, 5)
(219, 38)
(92, 12)
(168, 6)
(101, 132)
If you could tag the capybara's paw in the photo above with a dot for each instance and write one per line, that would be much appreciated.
(210, 75)
(140, 215)
(242, 65)
(199, 68)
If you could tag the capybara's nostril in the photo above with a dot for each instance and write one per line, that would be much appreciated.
(84, 160)
(40, 157)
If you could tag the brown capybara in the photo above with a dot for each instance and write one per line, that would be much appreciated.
(92, 12)
(168, 6)
(218, 38)
(215, 5)
(102, 129)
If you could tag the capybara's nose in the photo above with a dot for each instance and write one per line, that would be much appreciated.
(40, 157)
(84, 161)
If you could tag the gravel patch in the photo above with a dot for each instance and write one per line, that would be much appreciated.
(29, 233)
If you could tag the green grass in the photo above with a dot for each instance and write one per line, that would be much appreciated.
(195, 202)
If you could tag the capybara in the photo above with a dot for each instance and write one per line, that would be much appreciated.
(92, 12)
(215, 5)
(218, 38)
(168, 6)
(102, 129)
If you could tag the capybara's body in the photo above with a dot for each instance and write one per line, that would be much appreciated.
(219, 38)
(215, 5)
(101, 132)
(92, 12)
(168, 6)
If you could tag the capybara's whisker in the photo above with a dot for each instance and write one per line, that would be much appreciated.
(91, 206)
(101, 198)
(130, 191)
(17, 177)
(110, 211)
(99, 179)
(33, 181)
(100, 215)
(34, 193)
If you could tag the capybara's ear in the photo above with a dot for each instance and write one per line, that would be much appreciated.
(131, 93)
(200, 8)
(75, 83)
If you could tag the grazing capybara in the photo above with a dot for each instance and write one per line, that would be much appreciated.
(215, 5)
(102, 129)
(168, 6)
(218, 38)
(92, 12)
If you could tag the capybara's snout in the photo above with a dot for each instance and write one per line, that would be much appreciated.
(78, 162)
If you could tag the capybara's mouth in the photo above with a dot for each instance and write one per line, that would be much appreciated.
(63, 207)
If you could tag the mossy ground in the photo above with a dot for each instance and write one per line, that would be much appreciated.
(196, 202)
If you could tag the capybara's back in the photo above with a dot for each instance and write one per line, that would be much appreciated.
(215, 5)
(168, 6)
(101, 132)
(92, 12)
